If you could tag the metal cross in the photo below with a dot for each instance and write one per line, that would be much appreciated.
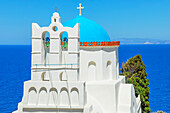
(55, 9)
(80, 8)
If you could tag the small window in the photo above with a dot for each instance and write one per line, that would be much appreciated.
(55, 28)
(63, 76)
(54, 20)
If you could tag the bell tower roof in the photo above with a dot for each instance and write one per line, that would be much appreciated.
(55, 17)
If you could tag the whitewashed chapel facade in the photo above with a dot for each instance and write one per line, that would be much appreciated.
(78, 77)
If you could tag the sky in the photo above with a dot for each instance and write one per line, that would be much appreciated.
(122, 19)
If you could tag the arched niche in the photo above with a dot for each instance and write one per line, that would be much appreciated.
(63, 76)
(45, 76)
(64, 97)
(45, 46)
(53, 96)
(43, 96)
(91, 71)
(32, 96)
(74, 97)
(64, 40)
(109, 70)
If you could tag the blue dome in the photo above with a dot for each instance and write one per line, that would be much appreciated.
(90, 31)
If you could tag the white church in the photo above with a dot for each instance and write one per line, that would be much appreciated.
(75, 69)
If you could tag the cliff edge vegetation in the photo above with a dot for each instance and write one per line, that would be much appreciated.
(135, 72)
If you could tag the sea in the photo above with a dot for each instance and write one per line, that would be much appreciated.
(15, 65)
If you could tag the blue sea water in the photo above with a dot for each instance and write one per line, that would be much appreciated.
(15, 69)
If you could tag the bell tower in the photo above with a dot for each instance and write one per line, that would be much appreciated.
(54, 83)
(62, 44)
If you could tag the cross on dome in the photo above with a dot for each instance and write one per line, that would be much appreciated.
(55, 9)
(80, 8)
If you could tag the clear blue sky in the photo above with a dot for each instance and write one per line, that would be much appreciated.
(149, 19)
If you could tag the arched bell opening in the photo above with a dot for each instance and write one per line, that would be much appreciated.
(45, 46)
(64, 41)
(54, 19)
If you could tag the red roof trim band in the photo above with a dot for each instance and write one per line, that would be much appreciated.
(112, 43)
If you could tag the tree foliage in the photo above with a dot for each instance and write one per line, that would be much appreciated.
(135, 72)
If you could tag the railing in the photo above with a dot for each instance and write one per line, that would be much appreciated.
(112, 43)
(54, 64)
